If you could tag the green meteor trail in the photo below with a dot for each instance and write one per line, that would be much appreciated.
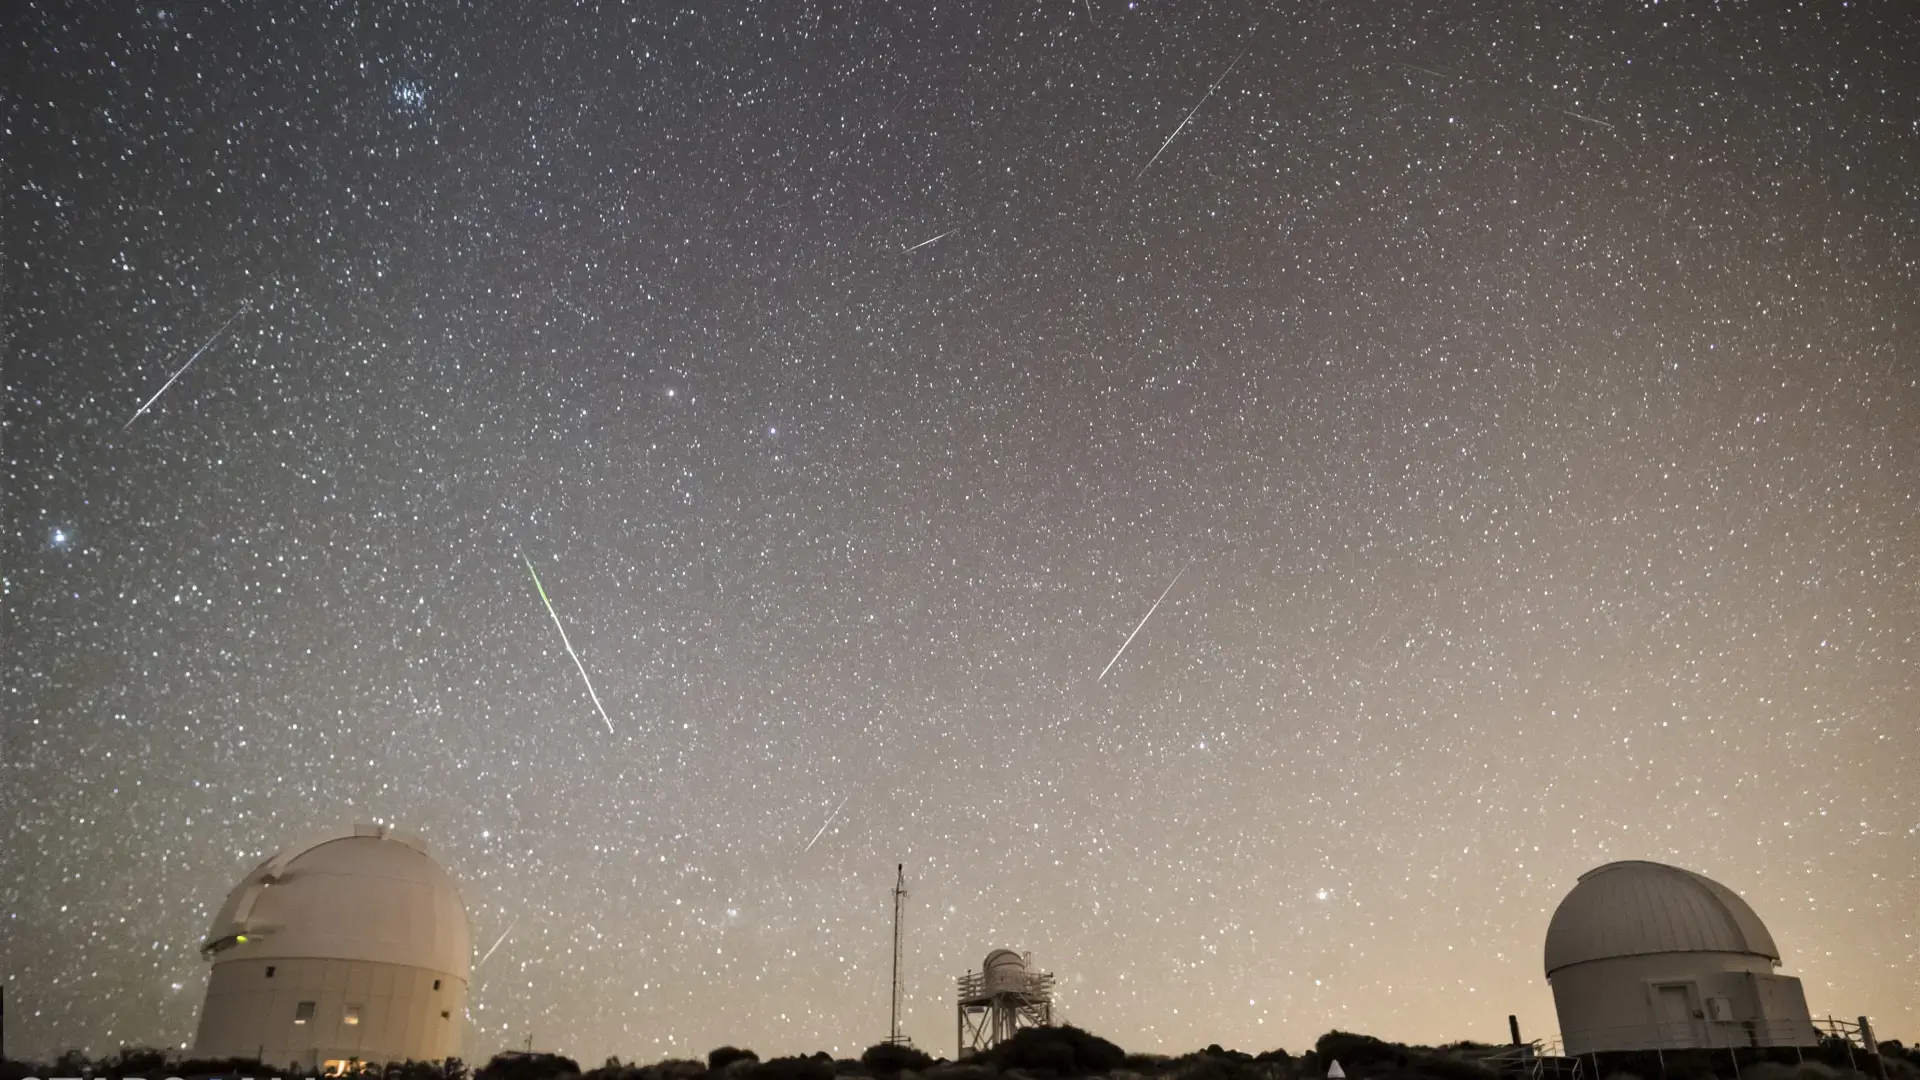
(563, 640)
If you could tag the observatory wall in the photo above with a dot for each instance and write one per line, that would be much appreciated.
(311, 1012)
(1673, 1000)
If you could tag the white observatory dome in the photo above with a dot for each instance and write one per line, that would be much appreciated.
(1643, 956)
(351, 946)
(1638, 908)
(370, 894)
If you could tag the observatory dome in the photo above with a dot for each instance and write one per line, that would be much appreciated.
(370, 894)
(1004, 972)
(1643, 956)
(351, 946)
(1639, 908)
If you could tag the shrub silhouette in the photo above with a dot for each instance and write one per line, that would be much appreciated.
(674, 1069)
(1353, 1051)
(814, 1067)
(1450, 1068)
(1059, 1051)
(884, 1059)
(1066, 1050)
(724, 1056)
(522, 1067)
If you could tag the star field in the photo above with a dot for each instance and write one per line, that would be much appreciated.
(1531, 396)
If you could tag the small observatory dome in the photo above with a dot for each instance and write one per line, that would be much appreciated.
(349, 947)
(1004, 972)
(1642, 955)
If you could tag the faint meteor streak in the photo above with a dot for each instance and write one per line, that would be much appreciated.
(1143, 622)
(498, 940)
(141, 411)
(824, 824)
(1577, 116)
(924, 243)
(563, 640)
(1189, 117)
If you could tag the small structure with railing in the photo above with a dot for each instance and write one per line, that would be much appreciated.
(1004, 996)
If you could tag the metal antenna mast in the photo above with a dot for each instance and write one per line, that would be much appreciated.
(899, 902)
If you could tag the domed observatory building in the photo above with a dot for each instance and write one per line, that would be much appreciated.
(352, 946)
(1644, 956)
(1000, 999)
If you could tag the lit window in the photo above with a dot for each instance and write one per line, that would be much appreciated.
(303, 1012)
(353, 1015)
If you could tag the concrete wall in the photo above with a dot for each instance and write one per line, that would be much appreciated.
(402, 1016)
(1666, 1000)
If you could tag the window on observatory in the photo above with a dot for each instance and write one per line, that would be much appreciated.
(353, 1015)
(269, 971)
(436, 984)
(303, 1012)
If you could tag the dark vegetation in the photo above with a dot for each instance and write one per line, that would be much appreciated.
(1068, 1052)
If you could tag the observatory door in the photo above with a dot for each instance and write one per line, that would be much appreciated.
(1675, 1015)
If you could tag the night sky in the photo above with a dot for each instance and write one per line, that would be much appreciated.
(1528, 404)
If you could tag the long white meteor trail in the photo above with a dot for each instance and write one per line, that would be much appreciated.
(1143, 622)
(141, 411)
(824, 824)
(563, 640)
(924, 243)
(1189, 117)
(497, 941)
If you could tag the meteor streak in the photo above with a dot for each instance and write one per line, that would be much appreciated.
(824, 824)
(1588, 119)
(1143, 622)
(141, 411)
(497, 941)
(1189, 117)
(563, 640)
(924, 243)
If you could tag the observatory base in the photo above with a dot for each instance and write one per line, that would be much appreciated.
(310, 1013)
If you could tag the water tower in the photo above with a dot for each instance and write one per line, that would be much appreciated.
(1004, 996)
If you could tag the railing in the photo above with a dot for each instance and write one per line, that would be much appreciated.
(1034, 986)
(1575, 1055)
(1858, 1033)
(1695, 1033)
(1857, 1037)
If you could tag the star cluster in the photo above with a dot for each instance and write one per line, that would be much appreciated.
(1530, 393)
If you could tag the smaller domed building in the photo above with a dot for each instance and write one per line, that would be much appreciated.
(1644, 956)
